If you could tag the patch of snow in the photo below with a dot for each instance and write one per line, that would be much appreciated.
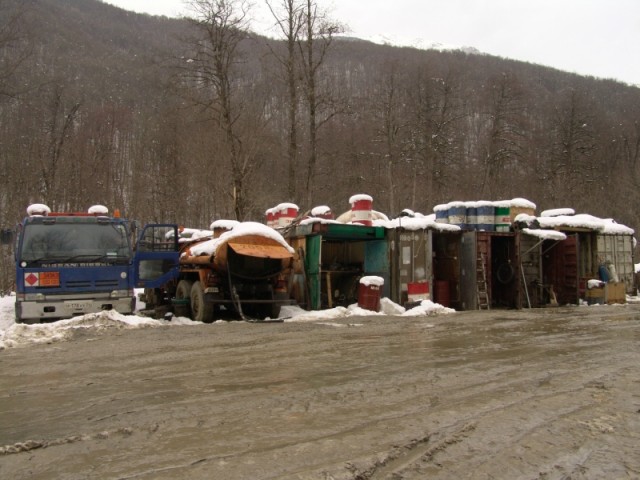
(361, 197)
(14, 335)
(372, 280)
(556, 212)
(320, 210)
(545, 234)
(224, 224)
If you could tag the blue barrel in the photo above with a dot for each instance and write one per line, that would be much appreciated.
(472, 216)
(458, 214)
(442, 213)
(486, 216)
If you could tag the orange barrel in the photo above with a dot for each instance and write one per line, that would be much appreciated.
(369, 290)
(362, 208)
(418, 291)
(442, 293)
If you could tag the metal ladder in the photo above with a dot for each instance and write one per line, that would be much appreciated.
(481, 284)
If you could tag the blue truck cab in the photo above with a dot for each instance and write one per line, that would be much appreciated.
(70, 264)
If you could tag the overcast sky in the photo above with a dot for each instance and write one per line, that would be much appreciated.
(590, 37)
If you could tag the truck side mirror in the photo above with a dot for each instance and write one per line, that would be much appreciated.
(6, 236)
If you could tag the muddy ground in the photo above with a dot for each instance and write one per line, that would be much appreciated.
(543, 394)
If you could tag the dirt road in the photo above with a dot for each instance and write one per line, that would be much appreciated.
(546, 394)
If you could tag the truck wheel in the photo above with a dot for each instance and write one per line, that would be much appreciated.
(183, 290)
(201, 311)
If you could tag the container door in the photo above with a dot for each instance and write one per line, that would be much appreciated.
(412, 262)
(156, 260)
(376, 262)
(563, 270)
(618, 249)
(468, 271)
(312, 266)
(529, 271)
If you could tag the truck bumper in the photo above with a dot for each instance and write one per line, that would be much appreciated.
(49, 309)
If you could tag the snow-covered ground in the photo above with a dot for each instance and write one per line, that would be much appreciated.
(19, 335)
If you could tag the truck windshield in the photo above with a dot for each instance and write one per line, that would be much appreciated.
(75, 242)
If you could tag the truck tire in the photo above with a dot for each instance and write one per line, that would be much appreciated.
(201, 310)
(183, 290)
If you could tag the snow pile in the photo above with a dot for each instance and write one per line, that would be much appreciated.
(426, 308)
(18, 335)
(22, 335)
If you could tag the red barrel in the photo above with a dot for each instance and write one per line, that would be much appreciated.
(362, 208)
(287, 213)
(442, 293)
(369, 290)
(271, 215)
(418, 291)
(322, 211)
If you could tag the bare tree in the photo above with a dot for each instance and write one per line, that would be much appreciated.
(503, 145)
(15, 44)
(222, 25)
(572, 149)
(289, 21)
(437, 111)
(314, 43)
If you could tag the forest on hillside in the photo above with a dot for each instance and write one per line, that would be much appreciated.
(193, 120)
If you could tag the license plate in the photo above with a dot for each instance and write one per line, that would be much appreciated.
(77, 305)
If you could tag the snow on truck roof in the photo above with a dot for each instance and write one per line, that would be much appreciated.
(241, 229)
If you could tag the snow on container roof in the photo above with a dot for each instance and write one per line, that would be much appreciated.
(545, 234)
(38, 209)
(522, 203)
(418, 223)
(589, 222)
(557, 212)
(242, 229)
(372, 280)
(440, 208)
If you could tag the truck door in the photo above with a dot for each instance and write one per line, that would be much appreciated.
(156, 258)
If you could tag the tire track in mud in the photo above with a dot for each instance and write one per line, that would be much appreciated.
(534, 395)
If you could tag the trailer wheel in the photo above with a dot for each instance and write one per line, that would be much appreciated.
(201, 310)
